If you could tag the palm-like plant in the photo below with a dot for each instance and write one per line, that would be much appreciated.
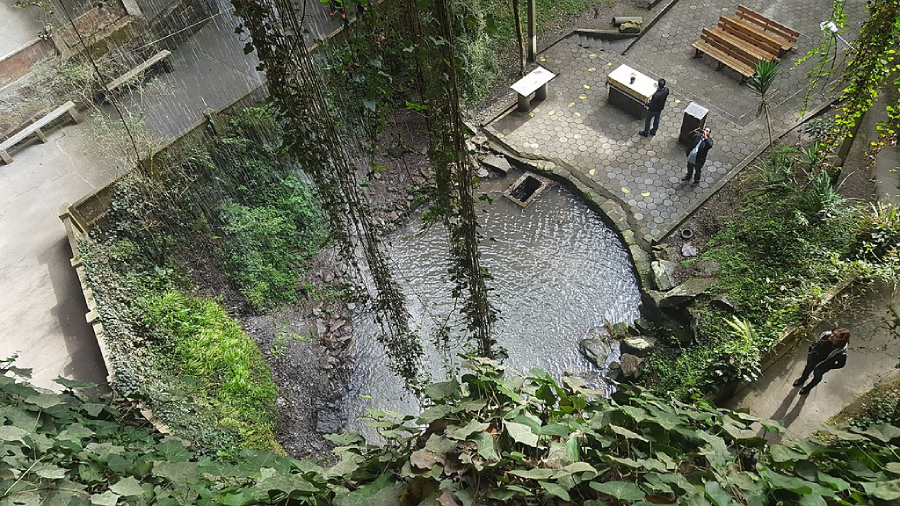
(761, 84)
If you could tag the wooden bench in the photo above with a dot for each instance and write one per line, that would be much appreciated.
(784, 36)
(126, 78)
(535, 82)
(745, 47)
(725, 53)
(769, 48)
(35, 129)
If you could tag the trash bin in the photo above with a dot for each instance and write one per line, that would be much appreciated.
(694, 117)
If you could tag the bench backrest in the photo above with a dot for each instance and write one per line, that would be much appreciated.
(767, 24)
(741, 31)
(727, 47)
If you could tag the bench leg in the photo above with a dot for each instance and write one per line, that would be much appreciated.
(697, 53)
(5, 157)
(40, 135)
(719, 66)
(524, 103)
(76, 116)
(541, 93)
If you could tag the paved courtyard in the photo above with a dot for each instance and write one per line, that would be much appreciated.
(577, 127)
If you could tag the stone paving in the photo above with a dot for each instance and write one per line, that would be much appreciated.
(576, 127)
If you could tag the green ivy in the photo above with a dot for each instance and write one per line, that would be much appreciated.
(486, 439)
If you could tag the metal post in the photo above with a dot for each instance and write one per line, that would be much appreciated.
(532, 32)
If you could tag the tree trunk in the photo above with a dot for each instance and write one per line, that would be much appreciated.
(768, 122)
(520, 37)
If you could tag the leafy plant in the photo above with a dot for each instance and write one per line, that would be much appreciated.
(761, 84)
(485, 439)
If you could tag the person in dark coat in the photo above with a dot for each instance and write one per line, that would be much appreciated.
(829, 352)
(701, 143)
(655, 108)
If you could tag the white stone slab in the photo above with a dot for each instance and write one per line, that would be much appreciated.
(642, 88)
(534, 80)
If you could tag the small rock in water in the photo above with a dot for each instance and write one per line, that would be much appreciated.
(595, 350)
(689, 250)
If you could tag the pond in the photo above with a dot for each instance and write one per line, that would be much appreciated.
(558, 271)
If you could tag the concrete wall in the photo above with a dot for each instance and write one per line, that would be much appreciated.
(18, 64)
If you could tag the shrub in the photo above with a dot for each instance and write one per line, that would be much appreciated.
(200, 340)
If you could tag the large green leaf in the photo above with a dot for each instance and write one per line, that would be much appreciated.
(467, 430)
(128, 487)
(11, 433)
(176, 472)
(49, 471)
(623, 490)
(781, 453)
(440, 444)
(555, 490)
(719, 496)
(622, 431)
(487, 445)
(886, 490)
(108, 498)
(521, 433)
(439, 391)
(533, 474)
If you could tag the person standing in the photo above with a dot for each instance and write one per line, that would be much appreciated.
(701, 143)
(828, 353)
(655, 108)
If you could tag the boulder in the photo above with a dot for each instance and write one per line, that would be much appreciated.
(707, 268)
(642, 325)
(723, 302)
(664, 252)
(632, 366)
(683, 293)
(689, 250)
(663, 274)
(595, 350)
(639, 346)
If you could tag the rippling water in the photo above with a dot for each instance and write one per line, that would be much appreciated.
(558, 271)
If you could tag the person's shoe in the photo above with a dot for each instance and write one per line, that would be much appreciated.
(643, 133)
(798, 382)
(686, 178)
(804, 391)
(695, 184)
(652, 132)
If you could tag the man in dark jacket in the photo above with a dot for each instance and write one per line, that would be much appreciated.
(655, 108)
(700, 144)
(829, 352)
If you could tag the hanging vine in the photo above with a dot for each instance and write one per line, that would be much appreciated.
(454, 174)
(874, 65)
(314, 139)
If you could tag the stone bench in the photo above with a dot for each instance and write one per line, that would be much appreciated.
(36, 129)
(535, 82)
(160, 58)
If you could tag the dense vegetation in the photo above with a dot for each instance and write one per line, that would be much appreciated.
(487, 439)
(232, 207)
(793, 238)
